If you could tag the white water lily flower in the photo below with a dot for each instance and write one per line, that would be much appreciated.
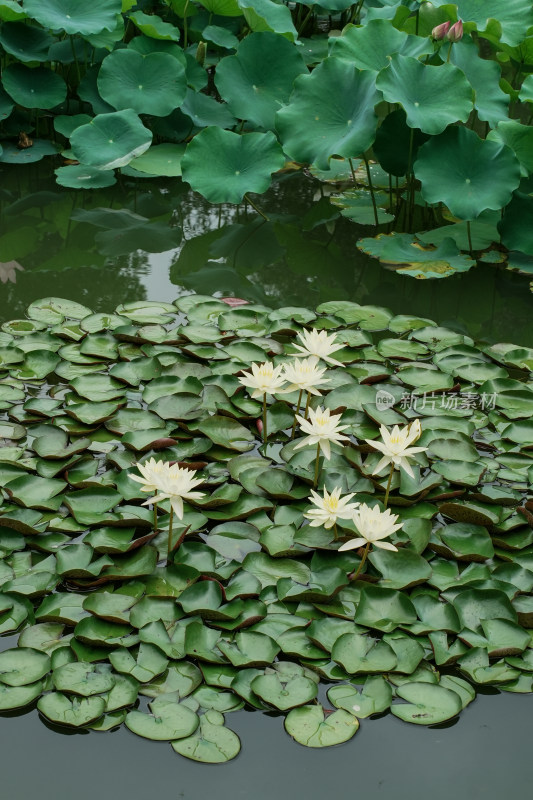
(319, 344)
(322, 429)
(330, 508)
(152, 473)
(373, 525)
(176, 485)
(264, 379)
(395, 446)
(305, 375)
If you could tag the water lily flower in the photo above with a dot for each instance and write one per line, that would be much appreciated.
(264, 379)
(395, 446)
(176, 484)
(305, 375)
(440, 31)
(373, 525)
(330, 508)
(319, 344)
(455, 34)
(8, 271)
(322, 429)
(152, 473)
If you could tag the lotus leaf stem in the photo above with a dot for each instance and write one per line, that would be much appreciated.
(353, 576)
(368, 175)
(388, 485)
(265, 434)
(155, 517)
(171, 520)
(317, 463)
(296, 412)
(262, 213)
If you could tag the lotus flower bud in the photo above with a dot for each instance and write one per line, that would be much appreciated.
(456, 32)
(440, 31)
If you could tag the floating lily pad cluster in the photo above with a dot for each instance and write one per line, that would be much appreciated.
(226, 92)
(254, 607)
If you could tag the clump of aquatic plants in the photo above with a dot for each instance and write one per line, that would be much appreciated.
(232, 593)
(417, 113)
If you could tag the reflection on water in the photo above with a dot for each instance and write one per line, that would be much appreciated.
(155, 239)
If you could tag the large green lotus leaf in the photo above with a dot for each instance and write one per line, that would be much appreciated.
(514, 17)
(258, 80)
(266, 15)
(213, 743)
(331, 112)
(73, 712)
(432, 97)
(222, 8)
(373, 698)
(154, 27)
(491, 103)
(77, 176)
(149, 84)
(111, 140)
(519, 138)
(370, 46)
(25, 42)
(312, 727)
(23, 665)
(427, 703)
(409, 257)
(10, 11)
(37, 87)
(479, 174)
(515, 227)
(223, 166)
(160, 159)
(75, 16)
(167, 721)
(204, 110)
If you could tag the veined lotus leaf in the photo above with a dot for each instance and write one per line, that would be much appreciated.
(154, 27)
(10, 11)
(310, 726)
(220, 36)
(330, 113)
(519, 138)
(374, 697)
(34, 87)
(408, 256)
(213, 743)
(370, 46)
(427, 703)
(149, 84)
(266, 15)
(167, 721)
(432, 97)
(513, 16)
(484, 173)
(491, 103)
(222, 8)
(257, 81)
(160, 159)
(393, 143)
(25, 42)
(111, 140)
(74, 16)
(224, 166)
(71, 711)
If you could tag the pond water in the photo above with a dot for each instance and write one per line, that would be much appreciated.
(161, 240)
(156, 241)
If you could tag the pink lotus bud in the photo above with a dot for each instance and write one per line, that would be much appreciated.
(441, 30)
(259, 425)
(234, 301)
(456, 32)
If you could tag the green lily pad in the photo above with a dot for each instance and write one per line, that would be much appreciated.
(212, 744)
(72, 712)
(374, 697)
(427, 704)
(312, 727)
(167, 721)
(23, 665)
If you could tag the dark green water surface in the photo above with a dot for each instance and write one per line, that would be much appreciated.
(161, 240)
(178, 243)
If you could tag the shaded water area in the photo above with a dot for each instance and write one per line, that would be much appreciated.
(156, 240)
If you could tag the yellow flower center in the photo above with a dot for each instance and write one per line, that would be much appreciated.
(321, 420)
(265, 372)
(332, 504)
(395, 440)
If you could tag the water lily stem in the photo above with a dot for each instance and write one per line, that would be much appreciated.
(469, 234)
(155, 517)
(410, 178)
(335, 532)
(265, 434)
(307, 405)
(449, 52)
(262, 213)
(368, 175)
(353, 172)
(185, 25)
(74, 54)
(362, 562)
(317, 462)
(171, 520)
(306, 20)
(387, 490)
(296, 413)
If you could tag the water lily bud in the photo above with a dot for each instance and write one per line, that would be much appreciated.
(440, 31)
(200, 53)
(456, 32)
